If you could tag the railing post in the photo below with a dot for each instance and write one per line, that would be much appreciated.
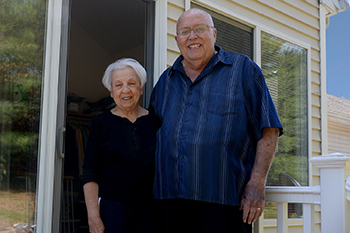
(282, 217)
(259, 224)
(335, 209)
(309, 218)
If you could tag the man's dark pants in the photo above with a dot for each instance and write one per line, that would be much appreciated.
(188, 216)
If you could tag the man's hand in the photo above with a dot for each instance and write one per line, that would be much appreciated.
(253, 201)
(253, 198)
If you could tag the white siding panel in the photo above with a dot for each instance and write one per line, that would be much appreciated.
(172, 55)
(315, 77)
(266, 12)
(305, 18)
(174, 9)
(316, 181)
(172, 46)
(314, 3)
(316, 146)
(338, 133)
(174, 12)
(315, 111)
(178, 3)
(171, 27)
(315, 89)
(316, 123)
(315, 66)
(315, 55)
(305, 6)
(316, 101)
(316, 135)
(316, 170)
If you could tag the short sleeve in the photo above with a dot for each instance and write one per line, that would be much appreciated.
(260, 108)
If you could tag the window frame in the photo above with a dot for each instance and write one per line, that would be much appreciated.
(257, 41)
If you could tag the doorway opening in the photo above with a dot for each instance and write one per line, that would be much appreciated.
(100, 33)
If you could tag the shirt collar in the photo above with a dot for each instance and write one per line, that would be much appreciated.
(220, 56)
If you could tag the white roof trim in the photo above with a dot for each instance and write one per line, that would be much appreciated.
(335, 6)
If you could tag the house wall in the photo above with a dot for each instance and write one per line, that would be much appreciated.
(338, 134)
(297, 21)
(338, 124)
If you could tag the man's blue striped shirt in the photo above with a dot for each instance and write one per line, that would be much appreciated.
(207, 143)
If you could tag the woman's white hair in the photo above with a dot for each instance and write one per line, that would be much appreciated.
(122, 64)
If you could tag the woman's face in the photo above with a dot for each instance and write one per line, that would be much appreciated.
(126, 89)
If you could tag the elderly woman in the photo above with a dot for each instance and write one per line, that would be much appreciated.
(119, 159)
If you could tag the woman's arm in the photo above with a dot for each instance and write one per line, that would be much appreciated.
(91, 200)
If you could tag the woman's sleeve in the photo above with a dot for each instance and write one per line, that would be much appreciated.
(93, 154)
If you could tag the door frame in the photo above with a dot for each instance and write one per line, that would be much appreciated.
(53, 109)
(149, 49)
(52, 117)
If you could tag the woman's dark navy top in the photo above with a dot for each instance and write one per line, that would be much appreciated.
(119, 156)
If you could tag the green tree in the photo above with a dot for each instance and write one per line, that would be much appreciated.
(284, 67)
(22, 25)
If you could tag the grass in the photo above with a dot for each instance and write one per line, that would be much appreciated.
(16, 207)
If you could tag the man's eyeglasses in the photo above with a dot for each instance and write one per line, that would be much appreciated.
(200, 29)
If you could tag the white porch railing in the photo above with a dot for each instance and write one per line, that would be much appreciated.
(333, 196)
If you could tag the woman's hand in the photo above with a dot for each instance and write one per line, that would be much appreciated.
(96, 225)
(92, 206)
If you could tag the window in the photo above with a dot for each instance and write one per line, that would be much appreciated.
(285, 69)
(232, 35)
(22, 26)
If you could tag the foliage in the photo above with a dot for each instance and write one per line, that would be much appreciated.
(22, 25)
(284, 67)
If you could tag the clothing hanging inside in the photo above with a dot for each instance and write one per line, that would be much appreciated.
(77, 132)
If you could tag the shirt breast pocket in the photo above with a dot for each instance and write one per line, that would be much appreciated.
(223, 104)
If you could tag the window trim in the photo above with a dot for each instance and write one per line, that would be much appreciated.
(309, 84)
(160, 39)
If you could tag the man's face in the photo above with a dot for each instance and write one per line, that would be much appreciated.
(197, 48)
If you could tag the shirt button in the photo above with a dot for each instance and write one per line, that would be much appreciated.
(181, 157)
(183, 137)
(186, 120)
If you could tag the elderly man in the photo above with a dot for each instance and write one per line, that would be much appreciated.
(218, 138)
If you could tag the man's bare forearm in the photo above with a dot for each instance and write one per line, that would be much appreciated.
(253, 198)
(265, 153)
